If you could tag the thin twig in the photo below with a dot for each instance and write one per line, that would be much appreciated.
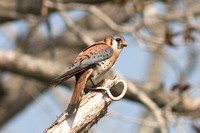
(98, 13)
(133, 120)
(81, 34)
(156, 111)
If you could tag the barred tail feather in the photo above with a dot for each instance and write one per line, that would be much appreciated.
(81, 80)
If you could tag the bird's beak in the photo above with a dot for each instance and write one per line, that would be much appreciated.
(124, 44)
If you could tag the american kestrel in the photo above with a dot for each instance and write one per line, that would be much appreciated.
(91, 65)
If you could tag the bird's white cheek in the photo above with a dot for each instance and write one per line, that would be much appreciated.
(115, 44)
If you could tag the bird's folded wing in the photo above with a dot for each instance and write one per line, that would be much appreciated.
(86, 59)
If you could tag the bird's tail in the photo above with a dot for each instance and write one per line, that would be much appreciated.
(81, 80)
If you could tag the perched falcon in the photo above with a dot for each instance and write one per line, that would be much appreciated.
(91, 65)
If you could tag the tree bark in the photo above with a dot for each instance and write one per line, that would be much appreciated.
(92, 108)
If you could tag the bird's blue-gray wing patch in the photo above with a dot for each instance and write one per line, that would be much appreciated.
(86, 63)
(93, 58)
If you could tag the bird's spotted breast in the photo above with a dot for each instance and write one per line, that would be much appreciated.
(101, 68)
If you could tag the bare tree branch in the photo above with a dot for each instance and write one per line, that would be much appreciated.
(28, 66)
(92, 108)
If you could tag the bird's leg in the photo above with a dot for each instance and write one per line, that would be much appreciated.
(115, 76)
(93, 88)
(86, 90)
(93, 85)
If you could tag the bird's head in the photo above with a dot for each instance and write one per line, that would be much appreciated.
(116, 41)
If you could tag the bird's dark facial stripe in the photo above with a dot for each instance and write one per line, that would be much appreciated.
(119, 40)
(119, 45)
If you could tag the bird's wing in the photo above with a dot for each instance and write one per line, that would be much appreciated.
(88, 58)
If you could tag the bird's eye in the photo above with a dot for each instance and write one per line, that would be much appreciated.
(118, 39)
